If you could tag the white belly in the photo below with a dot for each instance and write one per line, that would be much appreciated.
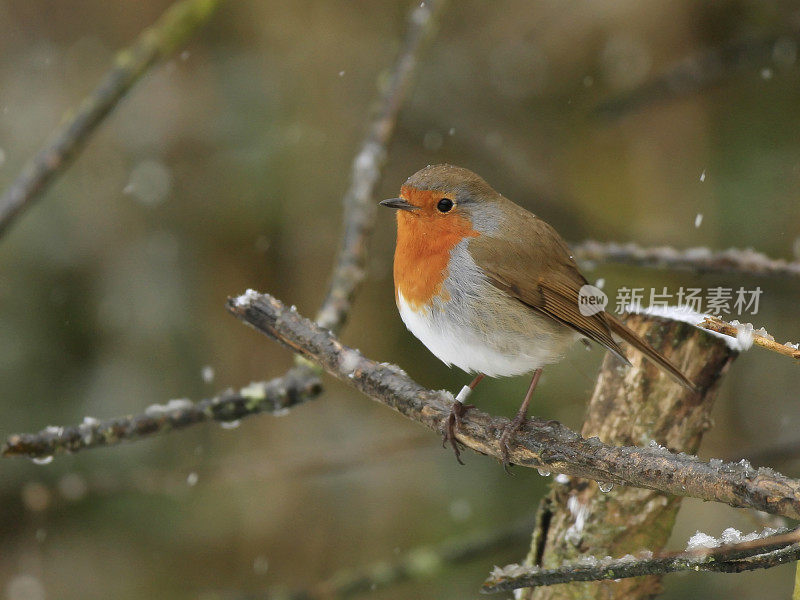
(531, 341)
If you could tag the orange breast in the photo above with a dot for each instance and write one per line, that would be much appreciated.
(422, 254)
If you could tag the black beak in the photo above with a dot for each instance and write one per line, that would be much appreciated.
(398, 203)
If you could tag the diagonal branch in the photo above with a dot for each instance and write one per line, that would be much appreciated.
(734, 558)
(703, 260)
(275, 397)
(171, 30)
(539, 443)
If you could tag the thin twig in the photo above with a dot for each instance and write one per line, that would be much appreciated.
(275, 397)
(539, 443)
(420, 563)
(733, 260)
(733, 558)
(171, 30)
(764, 339)
(359, 200)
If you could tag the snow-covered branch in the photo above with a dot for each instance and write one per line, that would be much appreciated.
(541, 444)
(703, 260)
(746, 336)
(275, 397)
(707, 554)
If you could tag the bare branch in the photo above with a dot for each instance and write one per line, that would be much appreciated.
(539, 443)
(703, 260)
(760, 338)
(171, 30)
(275, 397)
(734, 558)
(359, 200)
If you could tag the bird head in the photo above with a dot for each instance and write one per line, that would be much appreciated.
(444, 197)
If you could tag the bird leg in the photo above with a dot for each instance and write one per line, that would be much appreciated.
(518, 420)
(458, 410)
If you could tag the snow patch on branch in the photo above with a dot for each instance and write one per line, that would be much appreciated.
(743, 341)
(729, 536)
(246, 299)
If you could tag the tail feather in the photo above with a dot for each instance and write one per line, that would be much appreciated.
(635, 340)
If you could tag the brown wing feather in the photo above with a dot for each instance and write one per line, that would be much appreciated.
(532, 263)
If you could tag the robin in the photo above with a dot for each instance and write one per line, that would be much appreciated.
(491, 288)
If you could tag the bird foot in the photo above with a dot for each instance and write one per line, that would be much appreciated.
(457, 411)
(508, 432)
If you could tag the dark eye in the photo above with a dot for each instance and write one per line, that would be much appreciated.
(445, 204)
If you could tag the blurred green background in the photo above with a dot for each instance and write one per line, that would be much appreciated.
(224, 170)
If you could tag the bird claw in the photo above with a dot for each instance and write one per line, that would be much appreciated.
(457, 411)
(508, 432)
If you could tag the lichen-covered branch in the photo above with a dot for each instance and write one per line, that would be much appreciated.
(539, 443)
(359, 200)
(757, 337)
(180, 21)
(702, 260)
(275, 396)
(420, 563)
(734, 558)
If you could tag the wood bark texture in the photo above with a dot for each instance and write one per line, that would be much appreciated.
(629, 407)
